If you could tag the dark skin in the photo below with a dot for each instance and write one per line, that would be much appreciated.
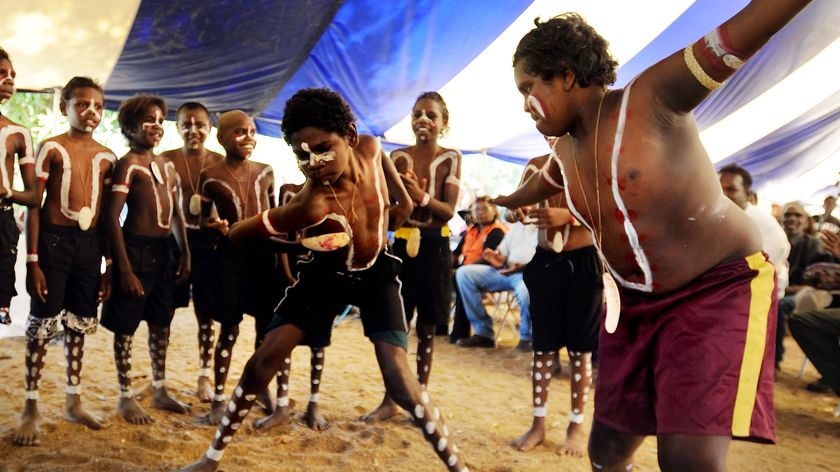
(16, 145)
(664, 177)
(81, 151)
(355, 165)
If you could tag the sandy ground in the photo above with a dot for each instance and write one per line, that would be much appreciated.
(484, 395)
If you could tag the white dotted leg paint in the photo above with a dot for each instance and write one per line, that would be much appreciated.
(425, 351)
(541, 368)
(431, 422)
(581, 379)
(158, 344)
(122, 358)
(74, 344)
(237, 409)
(317, 364)
(36, 349)
(205, 346)
(283, 383)
(224, 349)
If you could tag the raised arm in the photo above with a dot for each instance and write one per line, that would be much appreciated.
(688, 76)
(538, 187)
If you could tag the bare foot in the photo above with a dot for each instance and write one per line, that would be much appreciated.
(162, 401)
(531, 439)
(145, 393)
(204, 391)
(74, 412)
(385, 410)
(280, 417)
(264, 400)
(202, 465)
(575, 444)
(133, 412)
(28, 432)
(314, 419)
(217, 411)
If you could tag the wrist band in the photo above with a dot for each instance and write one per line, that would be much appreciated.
(425, 201)
(30, 395)
(540, 411)
(32, 258)
(214, 454)
(576, 418)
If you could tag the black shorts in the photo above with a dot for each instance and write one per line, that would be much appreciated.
(427, 278)
(71, 261)
(324, 289)
(201, 284)
(247, 281)
(566, 293)
(9, 234)
(153, 261)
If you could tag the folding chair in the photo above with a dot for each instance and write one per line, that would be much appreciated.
(505, 312)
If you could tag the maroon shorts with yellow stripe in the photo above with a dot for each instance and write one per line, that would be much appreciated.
(698, 361)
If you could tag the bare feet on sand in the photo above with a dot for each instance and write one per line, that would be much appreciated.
(162, 401)
(385, 410)
(575, 445)
(202, 465)
(28, 432)
(280, 417)
(133, 412)
(314, 419)
(217, 411)
(204, 390)
(531, 439)
(74, 412)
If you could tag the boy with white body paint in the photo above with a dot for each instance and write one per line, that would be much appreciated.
(15, 141)
(565, 288)
(346, 196)
(249, 280)
(150, 252)
(190, 160)
(431, 175)
(313, 417)
(690, 359)
(64, 253)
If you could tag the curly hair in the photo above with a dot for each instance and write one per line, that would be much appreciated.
(131, 111)
(746, 178)
(444, 111)
(79, 83)
(565, 45)
(318, 107)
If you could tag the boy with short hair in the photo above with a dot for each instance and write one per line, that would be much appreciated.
(150, 252)
(696, 291)
(14, 141)
(64, 255)
(342, 210)
(248, 278)
(194, 125)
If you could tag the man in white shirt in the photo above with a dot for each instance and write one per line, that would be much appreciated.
(504, 273)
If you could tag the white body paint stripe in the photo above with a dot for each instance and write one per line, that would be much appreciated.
(66, 176)
(237, 203)
(451, 155)
(258, 187)
(160, 217)
(5, 134)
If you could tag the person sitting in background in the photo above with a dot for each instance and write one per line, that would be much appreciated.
(504, 272)
(485, 231)
(827, 221)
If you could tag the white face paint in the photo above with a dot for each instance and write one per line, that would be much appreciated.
(91, 108)
(192, 128)
(157, 124)
(536, 106)
(7, 79)
(251, 134)
(315, 159)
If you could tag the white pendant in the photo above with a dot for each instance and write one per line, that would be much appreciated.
(85, 218)
(557, 243)
(326, 242)
(613, 301)
(195, 205)
(156, 172)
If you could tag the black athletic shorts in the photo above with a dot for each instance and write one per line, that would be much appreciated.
(201, 285)
(9, 234)
(427, 278)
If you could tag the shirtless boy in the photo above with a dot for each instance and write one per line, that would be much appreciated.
(63, 252)
(564, 284)
(248, 279)
(696, 292)
(194, 126)
(346, 194)
(15, 141)
(150, 252)
(431, 176)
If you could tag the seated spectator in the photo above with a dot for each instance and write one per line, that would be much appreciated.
(484, 232)
(827, 221)
(818, 333)
(503, 273)
(805, 249)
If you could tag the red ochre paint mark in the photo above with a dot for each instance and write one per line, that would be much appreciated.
(624, 237)
(654, 269)
(619, 215)
(643, 238)
(631, 214)
(622, 182)
(629, 114)
(621, 150)
(656, 285)
(609, 149)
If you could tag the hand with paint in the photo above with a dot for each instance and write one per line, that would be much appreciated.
(36, 283)
(416, 187)
(219, 225)
(546, 218)
(105, 284)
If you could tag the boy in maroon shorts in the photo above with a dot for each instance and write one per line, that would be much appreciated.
(691, 358)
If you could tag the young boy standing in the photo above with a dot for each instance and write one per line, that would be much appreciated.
(150, 252)
(249, 280)
(64, 255)
(194, 125)
(343, 209)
